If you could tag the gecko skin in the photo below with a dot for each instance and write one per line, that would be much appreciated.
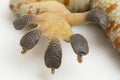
(112, 8)
(54, 20)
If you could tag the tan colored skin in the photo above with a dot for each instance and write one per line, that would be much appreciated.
(55, 22)
(58, 25)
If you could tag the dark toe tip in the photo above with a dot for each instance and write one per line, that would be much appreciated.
(53, 55)
(30, 39)
(21, 22)
(79, 44)
(98, 16)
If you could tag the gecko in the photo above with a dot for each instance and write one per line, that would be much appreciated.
(54, 20)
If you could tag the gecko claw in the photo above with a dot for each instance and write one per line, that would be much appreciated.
(52, 71)
(23, 51)
(79, 58)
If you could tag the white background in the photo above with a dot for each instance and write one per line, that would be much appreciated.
(102, 62)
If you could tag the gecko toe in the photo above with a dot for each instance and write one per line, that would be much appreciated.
(98, 16)
(30, 39)
(53, 55)
(23, 21)
(79, 45)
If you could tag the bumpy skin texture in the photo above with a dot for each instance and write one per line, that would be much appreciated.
(22, 7)
(112, 8)
(52, 19)
(53, 55)
(79, 45)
